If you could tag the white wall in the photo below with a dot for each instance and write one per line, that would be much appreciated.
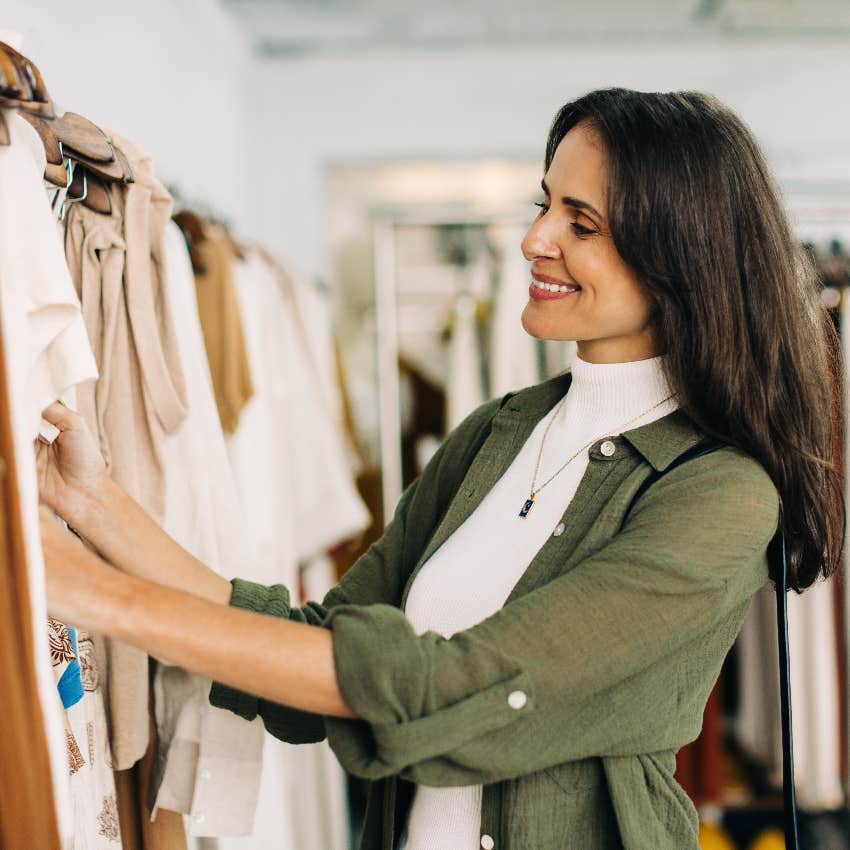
(170, 75)
(253, 137)
(466, 103)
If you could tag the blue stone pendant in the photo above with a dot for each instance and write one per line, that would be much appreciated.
(529, 503)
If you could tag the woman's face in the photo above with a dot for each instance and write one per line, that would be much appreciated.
(605, 308)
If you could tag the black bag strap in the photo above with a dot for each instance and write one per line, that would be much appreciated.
(792, 841)
(778, 556)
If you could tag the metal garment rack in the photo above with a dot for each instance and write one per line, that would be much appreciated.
(386, 223)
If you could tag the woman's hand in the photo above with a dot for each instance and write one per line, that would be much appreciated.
(71, 471)
(74, 576)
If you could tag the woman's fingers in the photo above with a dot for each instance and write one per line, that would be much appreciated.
(59, 415)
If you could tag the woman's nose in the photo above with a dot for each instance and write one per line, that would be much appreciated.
(538, 244)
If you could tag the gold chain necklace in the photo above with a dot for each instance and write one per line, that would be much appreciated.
(529, 502)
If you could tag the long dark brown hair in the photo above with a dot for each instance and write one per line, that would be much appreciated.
(750, 350)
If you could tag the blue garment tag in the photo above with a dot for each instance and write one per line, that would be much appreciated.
(70, 684)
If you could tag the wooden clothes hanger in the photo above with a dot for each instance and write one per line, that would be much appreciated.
(91, 190)
(21, 84)
(92, 175)
(96, 160)
(52, 148)
(83, 137)
(194, 232)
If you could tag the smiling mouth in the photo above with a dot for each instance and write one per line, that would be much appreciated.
(545, 288)
(554, 287)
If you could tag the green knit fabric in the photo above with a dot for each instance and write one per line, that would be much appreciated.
(615, 634)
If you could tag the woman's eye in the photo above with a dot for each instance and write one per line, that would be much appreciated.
(580, 229)
(543, 207)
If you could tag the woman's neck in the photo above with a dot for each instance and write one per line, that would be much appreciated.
(607, 395)
(627, 349)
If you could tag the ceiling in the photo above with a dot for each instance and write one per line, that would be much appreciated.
(291, 28)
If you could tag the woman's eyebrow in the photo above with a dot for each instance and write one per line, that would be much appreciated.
(573, 202)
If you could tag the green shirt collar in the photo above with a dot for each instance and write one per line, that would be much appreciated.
(660, 442)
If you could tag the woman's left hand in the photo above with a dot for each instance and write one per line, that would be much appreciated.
(74, 576)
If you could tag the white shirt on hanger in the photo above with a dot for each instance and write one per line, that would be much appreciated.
(210, 760)
(47, 353)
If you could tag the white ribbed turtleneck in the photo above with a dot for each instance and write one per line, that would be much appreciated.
(472, 574)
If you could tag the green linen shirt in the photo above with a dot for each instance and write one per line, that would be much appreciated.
(614, 637)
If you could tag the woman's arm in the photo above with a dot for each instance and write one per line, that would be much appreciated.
(281, 661)
(73, 481)
(129, 539)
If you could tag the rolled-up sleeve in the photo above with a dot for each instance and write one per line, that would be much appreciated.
(288, 724)
(614, 657)
(378, 577)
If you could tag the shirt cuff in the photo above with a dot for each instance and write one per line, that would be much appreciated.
(250, 596)
(419, 697)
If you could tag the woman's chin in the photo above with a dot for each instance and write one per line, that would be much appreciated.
(539, 326)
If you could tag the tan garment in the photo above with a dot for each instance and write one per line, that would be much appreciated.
(221, 322)
(117, 264)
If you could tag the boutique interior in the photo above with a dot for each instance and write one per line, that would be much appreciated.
(312, 213)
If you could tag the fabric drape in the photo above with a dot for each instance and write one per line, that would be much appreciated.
(221, 321)
(46, 354)
(208, 762)
(117, 264)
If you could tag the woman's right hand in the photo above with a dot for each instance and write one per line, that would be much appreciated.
(71, 470)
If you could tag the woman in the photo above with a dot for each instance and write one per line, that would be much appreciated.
(517, 661)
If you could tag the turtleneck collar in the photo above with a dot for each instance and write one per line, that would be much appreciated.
(605, 395)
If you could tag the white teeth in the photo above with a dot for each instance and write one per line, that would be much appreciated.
(553, 287)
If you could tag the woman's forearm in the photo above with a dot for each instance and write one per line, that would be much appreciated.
(127, 537)
(285, 662)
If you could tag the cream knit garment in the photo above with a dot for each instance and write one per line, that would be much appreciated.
(472, 574)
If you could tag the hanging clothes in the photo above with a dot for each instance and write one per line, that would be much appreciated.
(24, 742)
(465, 386)
(514, 359)
(221, 321)
(259, 449)
(259, 458)
(66, 667)
(814, 686)
(209, 761)
(814, 689)
(92, 783)
(757, 728)
(47, 353)
(296, 485)
(117, 263)
(328, 509)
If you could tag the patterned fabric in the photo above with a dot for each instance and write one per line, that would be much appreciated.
(92, 788)
(107, 820)
(59, 638)
(75, 757)
(88, 666)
